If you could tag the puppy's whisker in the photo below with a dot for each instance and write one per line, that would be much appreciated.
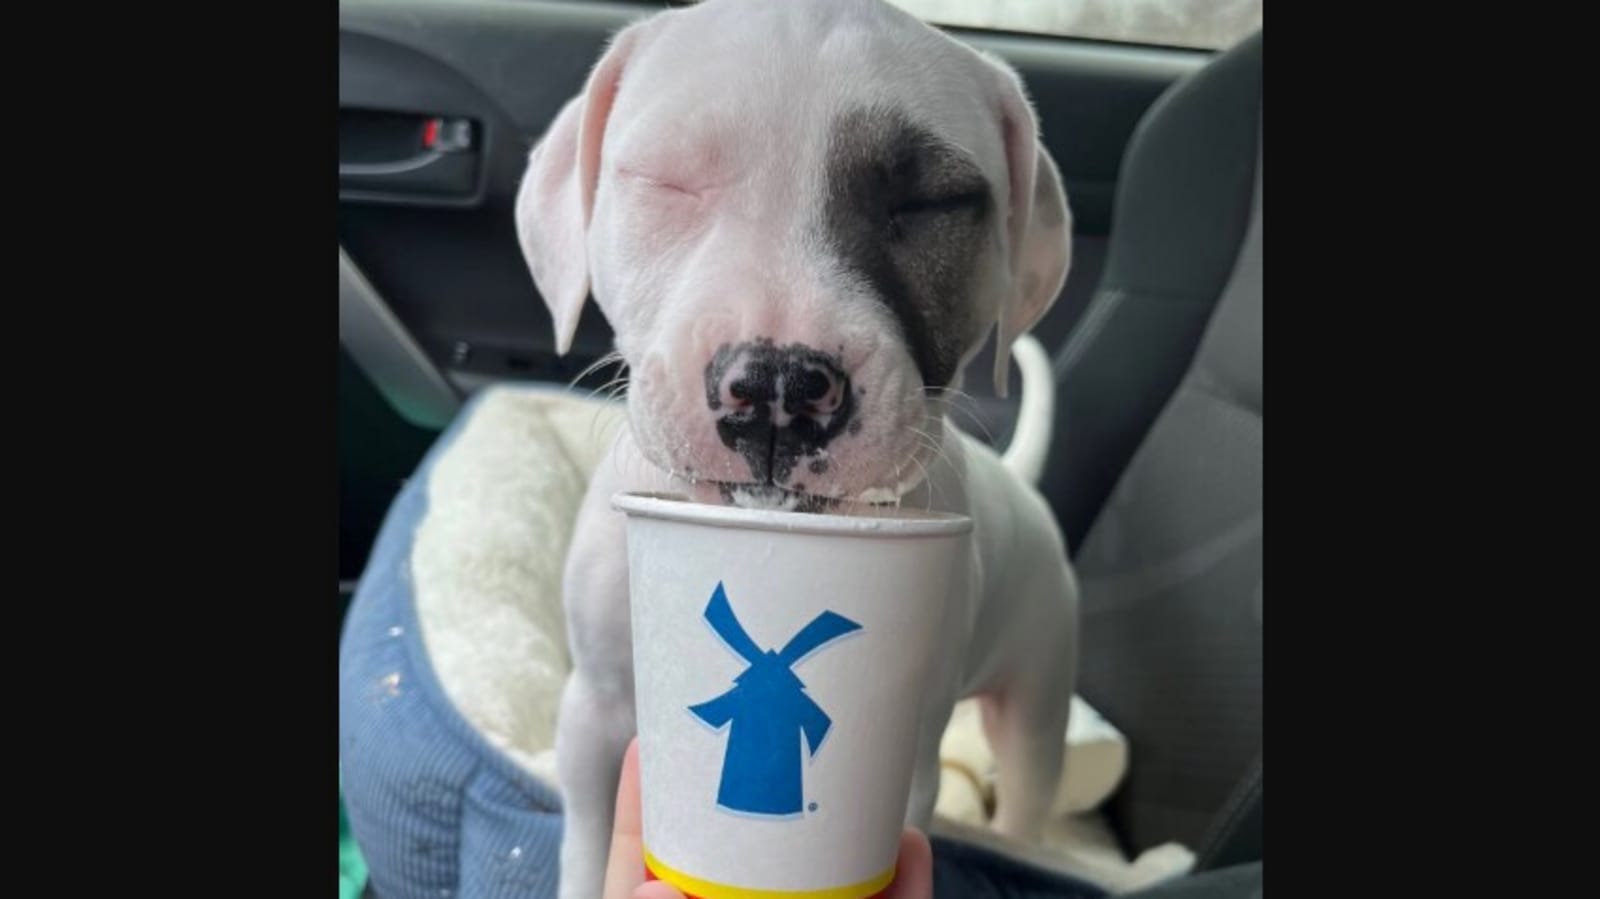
(610, 387)
(928, 440)
(966, 417)
(951, 405)
(949, 395)
(954, 399)
(927, 505)
(614, 356)
(612, 392)
(926, 446)
(595, 435)
(939, 453)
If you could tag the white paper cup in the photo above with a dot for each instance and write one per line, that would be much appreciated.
(778, 665)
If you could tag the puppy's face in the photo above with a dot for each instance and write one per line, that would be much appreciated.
(791, 286)
(802, 223)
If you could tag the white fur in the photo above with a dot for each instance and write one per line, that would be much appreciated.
(487, 585)
(692, 171)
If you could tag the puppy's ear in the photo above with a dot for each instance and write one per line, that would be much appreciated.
(557, 193)
(1038, 227)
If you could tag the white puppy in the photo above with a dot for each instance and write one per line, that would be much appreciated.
(802, 219)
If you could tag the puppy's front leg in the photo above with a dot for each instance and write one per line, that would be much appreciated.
(591, 736)
(943, 687)
(925, 774)
(597, 707)
(1026, 719)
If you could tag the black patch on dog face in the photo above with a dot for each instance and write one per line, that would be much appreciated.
(908, 213)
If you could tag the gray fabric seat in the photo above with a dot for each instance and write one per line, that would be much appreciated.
(1157, 475)
(1183, 207)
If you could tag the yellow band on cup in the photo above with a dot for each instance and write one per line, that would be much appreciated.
(705, 889)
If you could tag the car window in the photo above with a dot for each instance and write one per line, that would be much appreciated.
(1203, 24)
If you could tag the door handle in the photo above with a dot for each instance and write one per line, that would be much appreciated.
(390, 154)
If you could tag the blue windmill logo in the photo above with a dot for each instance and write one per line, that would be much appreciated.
(769, 711)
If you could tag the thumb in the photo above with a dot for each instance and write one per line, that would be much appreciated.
(913, 876)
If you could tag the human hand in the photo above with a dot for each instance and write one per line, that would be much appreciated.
(625, 876)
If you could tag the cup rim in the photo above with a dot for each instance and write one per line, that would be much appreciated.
(901, 523)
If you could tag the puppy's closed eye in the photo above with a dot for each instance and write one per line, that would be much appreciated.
(666, 185)
(908, 214)
(965, 200)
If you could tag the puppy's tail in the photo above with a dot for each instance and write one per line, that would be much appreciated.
(1030, 440)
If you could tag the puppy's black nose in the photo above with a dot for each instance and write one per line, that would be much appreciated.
(776, 404)
(756, 385)
(821, 388)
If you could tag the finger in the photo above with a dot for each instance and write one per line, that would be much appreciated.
(625, 866)
(656, 889)
(913, 876)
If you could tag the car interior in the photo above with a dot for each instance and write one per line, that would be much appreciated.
(1155, 464)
